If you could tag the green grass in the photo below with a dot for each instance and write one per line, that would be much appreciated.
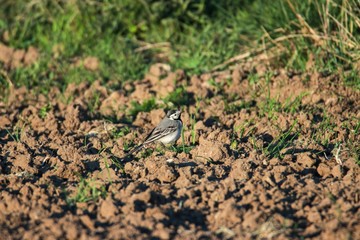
(293, 105)
(127, 36)
(352, 127)
(237, 106)
(146, 152)
(352, 78)
(280, 143)
(87, 191)
(118, 164)
(118, 133)
(15, 133)
(93, 103)
(218, 86)
(178, 97)
(107, 167)
(127, 145)
(146, 106)
(44, 111)
(324, 132)
(246, 126)
(271, 106)
(193, 130)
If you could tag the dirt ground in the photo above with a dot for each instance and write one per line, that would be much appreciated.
(226, 187)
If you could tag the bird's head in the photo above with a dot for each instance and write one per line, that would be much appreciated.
(174, 114)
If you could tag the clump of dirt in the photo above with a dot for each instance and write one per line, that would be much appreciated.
(262, 159)
(14, 58)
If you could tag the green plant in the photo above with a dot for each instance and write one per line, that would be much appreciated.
(234, 144)
(145, 106)
(85, 142)
(107, 167)
(269, 107)
(94, 102)
(285, 140)
(193, 132)
(16, 133)
(127, 145)
(218, 86)
(247, 125)
(237, 106)
(253, 78)
(44, 111)
(146, 153)
(118, 133)
(179, 97)
(183, 148)
(352, 78)
(117, 163)
(352, 127)
(210, 160)
(294, 105)
(87, 190)
(324, 131)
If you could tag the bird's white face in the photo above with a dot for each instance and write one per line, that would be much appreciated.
(174, 115)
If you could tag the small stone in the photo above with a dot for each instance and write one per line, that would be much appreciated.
(210, 149)
(71, 231)
(332, 224)
(305, 160)
(323, 170)
(85, 219)
(337, 171)
(166, 174)
(31, 56)
(311, 230)
(314, 216)
(108, 209)
(91, 63)
(159, 69)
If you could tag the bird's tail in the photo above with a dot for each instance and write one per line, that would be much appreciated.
(134, 150)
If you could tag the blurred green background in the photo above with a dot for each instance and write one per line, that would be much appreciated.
(128, 36)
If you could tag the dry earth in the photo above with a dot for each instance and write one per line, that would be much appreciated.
(226, 187)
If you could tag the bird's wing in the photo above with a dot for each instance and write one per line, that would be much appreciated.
(162, 131)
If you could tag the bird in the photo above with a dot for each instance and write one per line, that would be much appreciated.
(168, 131)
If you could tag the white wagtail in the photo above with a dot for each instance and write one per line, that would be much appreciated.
(167, 132)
